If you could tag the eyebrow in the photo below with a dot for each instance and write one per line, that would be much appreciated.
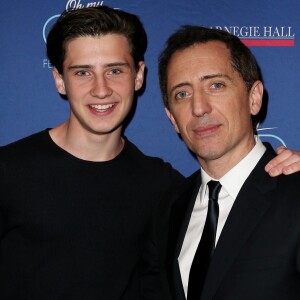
(114, 64)
(202, 78)
(218, 75)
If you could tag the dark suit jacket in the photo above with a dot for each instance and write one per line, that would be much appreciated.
(258, 253)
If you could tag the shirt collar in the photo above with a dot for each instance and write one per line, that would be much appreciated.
(233, 180)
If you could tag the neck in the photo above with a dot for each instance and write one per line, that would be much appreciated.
(218, 167)
(86, 145)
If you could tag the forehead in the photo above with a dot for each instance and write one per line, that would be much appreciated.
(93, 46)
(199, 60)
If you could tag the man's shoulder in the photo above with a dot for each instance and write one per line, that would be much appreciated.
(289, 182)
(137, 153)
(259, 172)
(282, 190)
(26, 141)
(148, 162)
(194, 178)
(23, 146)
(191, 183)
(183, 193)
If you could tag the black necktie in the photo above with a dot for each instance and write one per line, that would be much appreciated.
(206, 245)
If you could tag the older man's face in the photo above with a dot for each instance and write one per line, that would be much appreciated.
(209, 103)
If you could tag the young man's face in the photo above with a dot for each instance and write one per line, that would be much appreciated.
(209, 104)
(99, 78)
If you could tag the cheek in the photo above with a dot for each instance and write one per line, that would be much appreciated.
(184, 123)
(73, 87)
(127, 87)
(239, 123)
(180, 114)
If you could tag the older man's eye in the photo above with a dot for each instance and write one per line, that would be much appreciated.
(181, 95)
(217, 85)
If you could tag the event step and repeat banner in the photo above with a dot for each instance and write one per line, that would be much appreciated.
(29, 101)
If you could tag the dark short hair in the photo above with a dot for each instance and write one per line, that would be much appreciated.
(95, 21)
(242, 60)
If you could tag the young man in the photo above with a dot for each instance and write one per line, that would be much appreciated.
(246, 245)
(76, 200)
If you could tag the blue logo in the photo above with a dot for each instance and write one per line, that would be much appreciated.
(272, 136)
(45, 27)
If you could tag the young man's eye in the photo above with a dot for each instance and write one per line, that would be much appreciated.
(82, 73)
(115, 71)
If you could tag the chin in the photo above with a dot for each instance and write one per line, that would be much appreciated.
(209, 153)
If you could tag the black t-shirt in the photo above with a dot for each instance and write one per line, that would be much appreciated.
(75, 229)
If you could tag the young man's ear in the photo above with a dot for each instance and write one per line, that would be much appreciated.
(139, 78)
(172, 119)
(59, 82)
(256, 97)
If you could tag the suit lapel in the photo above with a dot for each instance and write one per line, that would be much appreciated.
(248, 209)
(179, 220)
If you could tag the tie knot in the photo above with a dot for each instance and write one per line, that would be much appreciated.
(214, 189)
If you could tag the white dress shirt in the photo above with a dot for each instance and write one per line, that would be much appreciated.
(231, 182)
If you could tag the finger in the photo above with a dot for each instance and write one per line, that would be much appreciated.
(292, 168)
(280, 149)
(273, 172)
(284, 156)
(283, 160)
(288, 166)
